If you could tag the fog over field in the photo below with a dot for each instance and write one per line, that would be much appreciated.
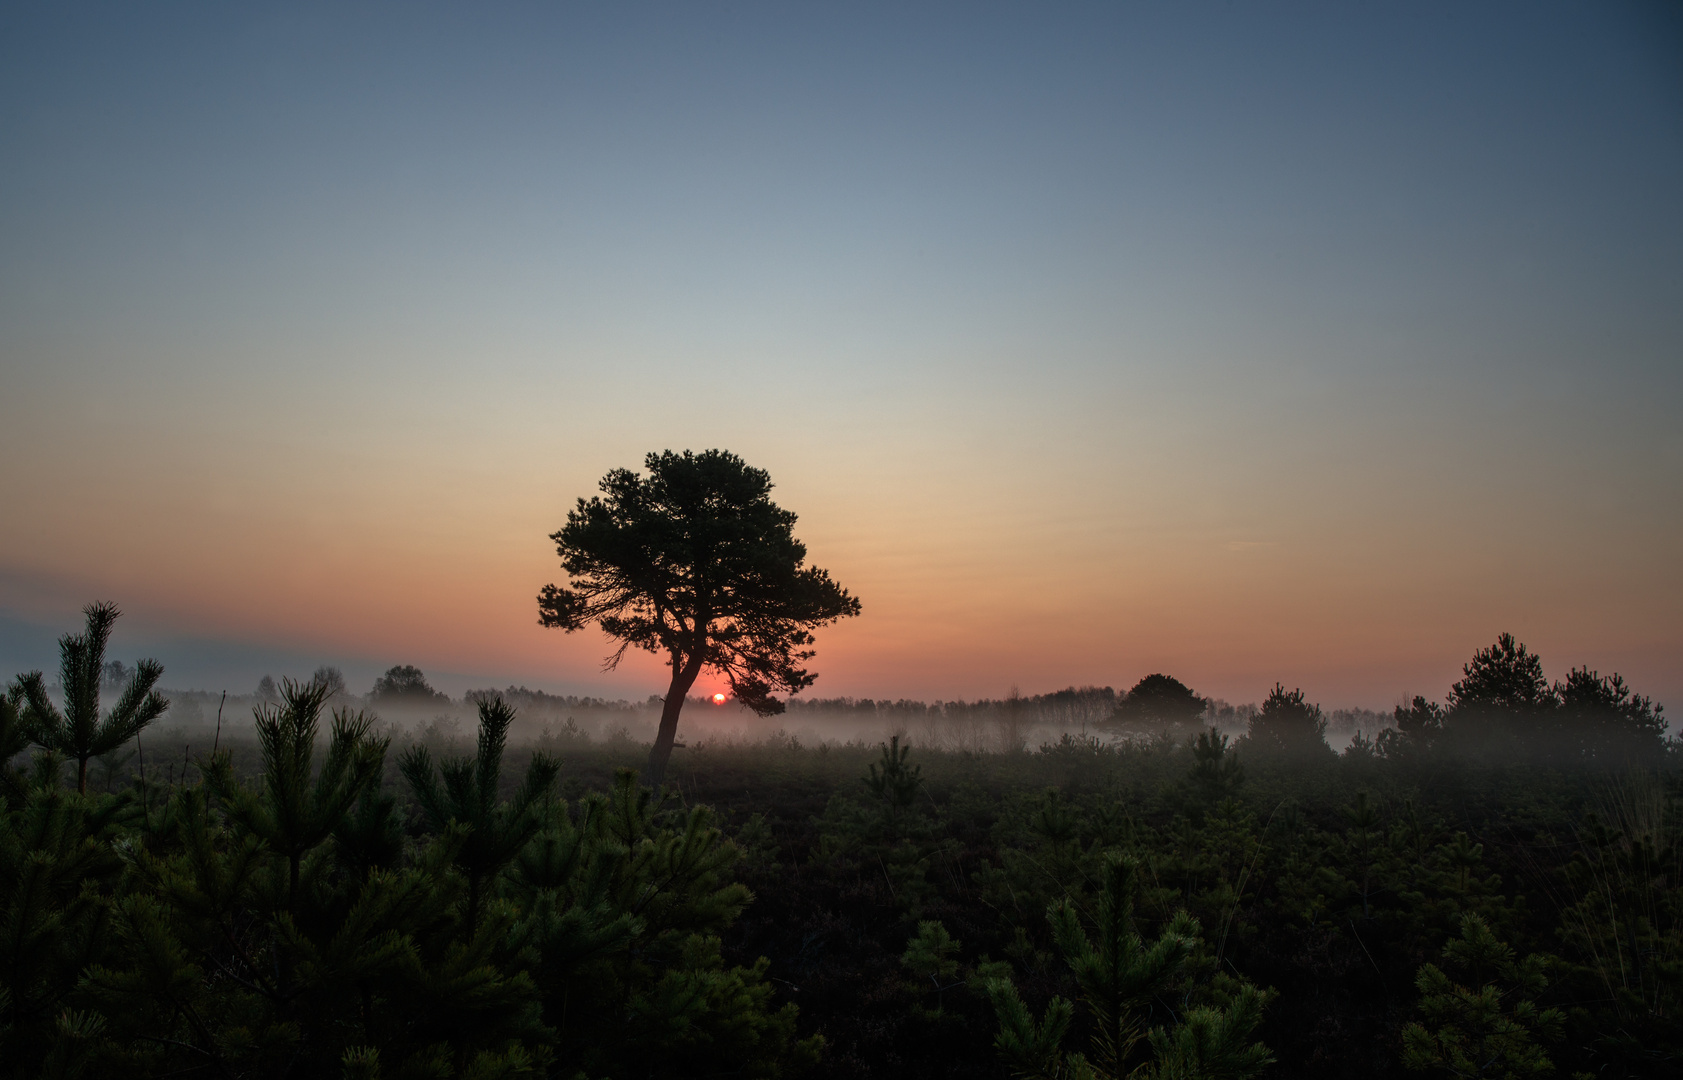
(1008, 725)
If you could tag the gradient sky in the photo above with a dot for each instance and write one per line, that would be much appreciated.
(1315, 343)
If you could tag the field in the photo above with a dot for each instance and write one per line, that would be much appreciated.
(898, 897)
(1330, 886)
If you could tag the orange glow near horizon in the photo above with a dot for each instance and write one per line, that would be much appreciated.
(968, 590)
(1020, 572)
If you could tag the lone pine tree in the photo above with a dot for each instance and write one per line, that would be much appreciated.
(694, 561)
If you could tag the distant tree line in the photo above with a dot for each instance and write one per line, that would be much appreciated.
(1502, 706)
(406, 686)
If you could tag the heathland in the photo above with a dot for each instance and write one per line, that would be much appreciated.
(1077, 884)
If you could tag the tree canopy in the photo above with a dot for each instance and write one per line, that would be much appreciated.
(1600, 717)
(694, 561)
(1504, 707)
(1414, 728)
(404, 683)
(332, 678)
(1160, 700)
(1288, 726)
(1505, 679)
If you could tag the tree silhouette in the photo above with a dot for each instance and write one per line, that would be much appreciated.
(117, 674)
(1413, 729)
(1288, 726)
(1503, 703)
(1504, 680)
(79, 732)
(404, 683)
(332, 678)
(1160, 701)
(896, 784)
(696, 562)
(1602, 719)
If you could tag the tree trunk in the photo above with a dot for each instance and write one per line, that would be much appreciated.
(81, 776)
(683, 677)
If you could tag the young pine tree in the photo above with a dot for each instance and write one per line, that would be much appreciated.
(467, 797)
(1216, 773)
(259, 942)
(897, 783)
(297, 807)
(1122, 978)
(79, 732)
(1494, 1030)
(1288, 728)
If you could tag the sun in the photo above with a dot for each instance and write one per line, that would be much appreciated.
(718, 699)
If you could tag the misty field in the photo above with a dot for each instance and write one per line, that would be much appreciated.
(1076, 884)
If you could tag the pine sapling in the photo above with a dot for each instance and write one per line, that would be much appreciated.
(79, 732)
(468, 796)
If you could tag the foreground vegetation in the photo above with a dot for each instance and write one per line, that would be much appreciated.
(287, 913)
(284, 924)
(322, 900)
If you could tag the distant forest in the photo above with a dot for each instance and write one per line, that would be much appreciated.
(1503, 705)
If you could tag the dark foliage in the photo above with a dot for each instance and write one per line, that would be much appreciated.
(1095, 909)
(14, 739)
(1600, 719)
(1287, 728)
(276, 921)
(1414, 729)
(1331, 887)
(1505, 679)
(403, 684)
(1160, 701)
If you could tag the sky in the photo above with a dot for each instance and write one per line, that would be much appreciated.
(1249, 343)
